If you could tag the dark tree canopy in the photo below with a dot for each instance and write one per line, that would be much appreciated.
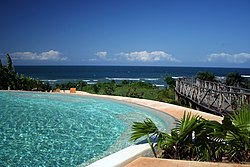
(235, 79)
(205, 76)
(10, 79)
(9, 65)
(1, 65)
(169, 80)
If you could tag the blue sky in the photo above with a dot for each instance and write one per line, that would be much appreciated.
(213, 33)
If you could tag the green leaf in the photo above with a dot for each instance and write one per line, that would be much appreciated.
(144, 128)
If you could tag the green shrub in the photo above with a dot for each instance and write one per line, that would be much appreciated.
(195, 138)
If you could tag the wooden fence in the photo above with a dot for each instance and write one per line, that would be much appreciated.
(212, 96)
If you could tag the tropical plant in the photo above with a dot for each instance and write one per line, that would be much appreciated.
(195, 138)
(205, 76)
(180, 143)
(239, 136)
(235, 79)
(146, 128)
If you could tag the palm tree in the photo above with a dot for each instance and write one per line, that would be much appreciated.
(175, 145)
(239, 136)
(212, 139)
(195, 138)
(180, 144)
(235, 79)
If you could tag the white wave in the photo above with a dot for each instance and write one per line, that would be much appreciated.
(246, 76)
(95, 80)
(220, 77)
(91, 83)
(177, 77)
(122, 79)
(86, 80)
(159, 85)
(49, 80)
(133, 79)
(151, 79)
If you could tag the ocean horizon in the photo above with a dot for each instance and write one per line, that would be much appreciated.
(93, 74)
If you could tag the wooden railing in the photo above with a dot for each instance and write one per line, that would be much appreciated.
(214, 96)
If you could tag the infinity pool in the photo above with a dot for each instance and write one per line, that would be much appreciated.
(44, 129)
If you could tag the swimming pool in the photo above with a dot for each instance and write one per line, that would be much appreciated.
(44, 129)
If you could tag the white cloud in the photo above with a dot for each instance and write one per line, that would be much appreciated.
(23, 56)
(230, 58)
(102, 55)
(50, 55)
(145, 56)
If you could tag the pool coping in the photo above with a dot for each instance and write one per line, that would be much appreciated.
(123, 157)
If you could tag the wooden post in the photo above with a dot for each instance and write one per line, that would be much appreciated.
(176, 96)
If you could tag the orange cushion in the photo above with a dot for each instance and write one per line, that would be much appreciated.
(72, 90)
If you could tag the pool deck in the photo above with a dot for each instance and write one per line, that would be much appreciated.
(173, 110)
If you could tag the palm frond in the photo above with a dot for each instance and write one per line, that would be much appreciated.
(187, 126)
(187, 122)
(242, 118)
(144, 128)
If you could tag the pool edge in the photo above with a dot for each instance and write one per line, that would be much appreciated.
(123, 157)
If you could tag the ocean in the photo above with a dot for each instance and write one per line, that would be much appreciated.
(93, 74)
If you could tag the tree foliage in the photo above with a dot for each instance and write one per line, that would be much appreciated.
(235, 79)
(10, 79)
(195, 138)
(9, 66)
(205, 76)
(145, 128)
(126, 88)
(169, 80)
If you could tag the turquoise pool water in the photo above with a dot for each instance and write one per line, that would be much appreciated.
(44, 129)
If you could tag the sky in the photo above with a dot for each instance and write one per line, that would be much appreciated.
(198, 33)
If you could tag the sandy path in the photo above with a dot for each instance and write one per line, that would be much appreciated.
(173, 110)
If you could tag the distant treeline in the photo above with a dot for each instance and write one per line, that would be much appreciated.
(128, 89)
(11, 80)
(148, 91)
